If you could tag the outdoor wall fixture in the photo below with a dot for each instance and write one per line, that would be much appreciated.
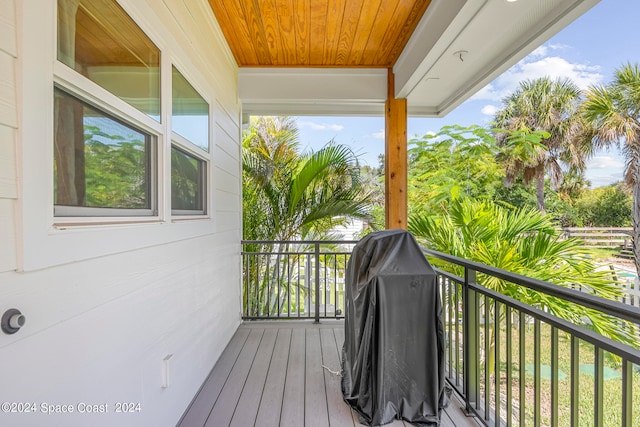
(12, 321)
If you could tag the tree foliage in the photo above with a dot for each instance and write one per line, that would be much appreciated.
(609, 206)
(455, 162)
(552, 107)
(289, 194)
(523, 241)
(115, 172)
(614, 110)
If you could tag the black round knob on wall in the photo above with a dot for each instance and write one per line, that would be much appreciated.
(12, 321)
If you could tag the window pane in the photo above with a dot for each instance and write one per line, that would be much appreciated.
(187, 182)
(190, 113)
(100, 41)
(99, 162)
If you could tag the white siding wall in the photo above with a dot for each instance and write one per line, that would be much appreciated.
(98, 329)
(8, 124)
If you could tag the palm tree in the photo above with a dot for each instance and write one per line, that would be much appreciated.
(527, 242)
(288, 195)
(614, 110)
(298, 193)
(549, 106)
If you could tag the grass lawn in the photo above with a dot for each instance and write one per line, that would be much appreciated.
(602, 253)
(612, 388)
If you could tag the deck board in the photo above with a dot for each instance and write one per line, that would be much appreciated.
(225, 406)
(249, 401)
(271, 374)
(200, 408)
(293, 400)
(339, 413)
(272, 395)
(315, 410)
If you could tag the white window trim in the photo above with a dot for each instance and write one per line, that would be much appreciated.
(46, 240)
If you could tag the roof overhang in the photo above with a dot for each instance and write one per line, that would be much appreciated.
(430, 73)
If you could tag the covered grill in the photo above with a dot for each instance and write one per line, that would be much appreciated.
(393, 354)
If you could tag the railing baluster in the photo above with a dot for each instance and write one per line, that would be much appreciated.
(627, 393)
(521, 372)
(317, 282)
(575, 380)
(471, 332)
(509, 328)
(487, 359)
(598, 387)
(278, 283)
(449, 301)
(289, 285)
(459, 369)
(259, 290)
(307, 277)
(554, 376)
(298, 290)
(537, 373)
(335, 285)
(496, 371)
(324, 288)
(268, 279)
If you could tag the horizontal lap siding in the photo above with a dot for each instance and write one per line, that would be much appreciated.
(8, 125)
(97, 330)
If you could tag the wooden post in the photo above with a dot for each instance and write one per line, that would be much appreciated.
(395, 164)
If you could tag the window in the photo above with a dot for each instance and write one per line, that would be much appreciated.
(188, 177)
(97, 39)
(107, 153)
(99, 162)
(97, 134)
(190, 125)
(189, 112)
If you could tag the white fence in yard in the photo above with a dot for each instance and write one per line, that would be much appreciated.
(601, 236)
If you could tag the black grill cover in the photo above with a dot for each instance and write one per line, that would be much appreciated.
(393, 354)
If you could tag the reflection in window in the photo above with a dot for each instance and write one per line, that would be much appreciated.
(99, 162)
(100, 41)
(187, 183)
(190, 113)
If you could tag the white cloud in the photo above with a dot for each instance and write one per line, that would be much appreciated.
(540, 51)
(378, 135)
(539, 64)
(321, 126)
(605, 162)
(603, 180)
(490, 110)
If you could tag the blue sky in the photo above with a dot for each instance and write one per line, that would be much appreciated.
(587, 51)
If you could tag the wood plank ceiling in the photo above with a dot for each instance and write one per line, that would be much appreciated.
(317, 33)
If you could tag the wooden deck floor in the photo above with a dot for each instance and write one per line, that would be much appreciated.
(271, 374)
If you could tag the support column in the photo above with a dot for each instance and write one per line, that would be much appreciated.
(395, 163)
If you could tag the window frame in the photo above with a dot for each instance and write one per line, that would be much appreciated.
(73, 213)
(191, 149)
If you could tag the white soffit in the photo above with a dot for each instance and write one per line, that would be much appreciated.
(312, 91)
(495, 34)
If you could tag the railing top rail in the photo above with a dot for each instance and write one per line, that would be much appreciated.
(300, 242)
(588, 335)
(613, 308)
(597, 228)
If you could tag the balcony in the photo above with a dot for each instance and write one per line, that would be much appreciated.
(509, 363)
(272, 374)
